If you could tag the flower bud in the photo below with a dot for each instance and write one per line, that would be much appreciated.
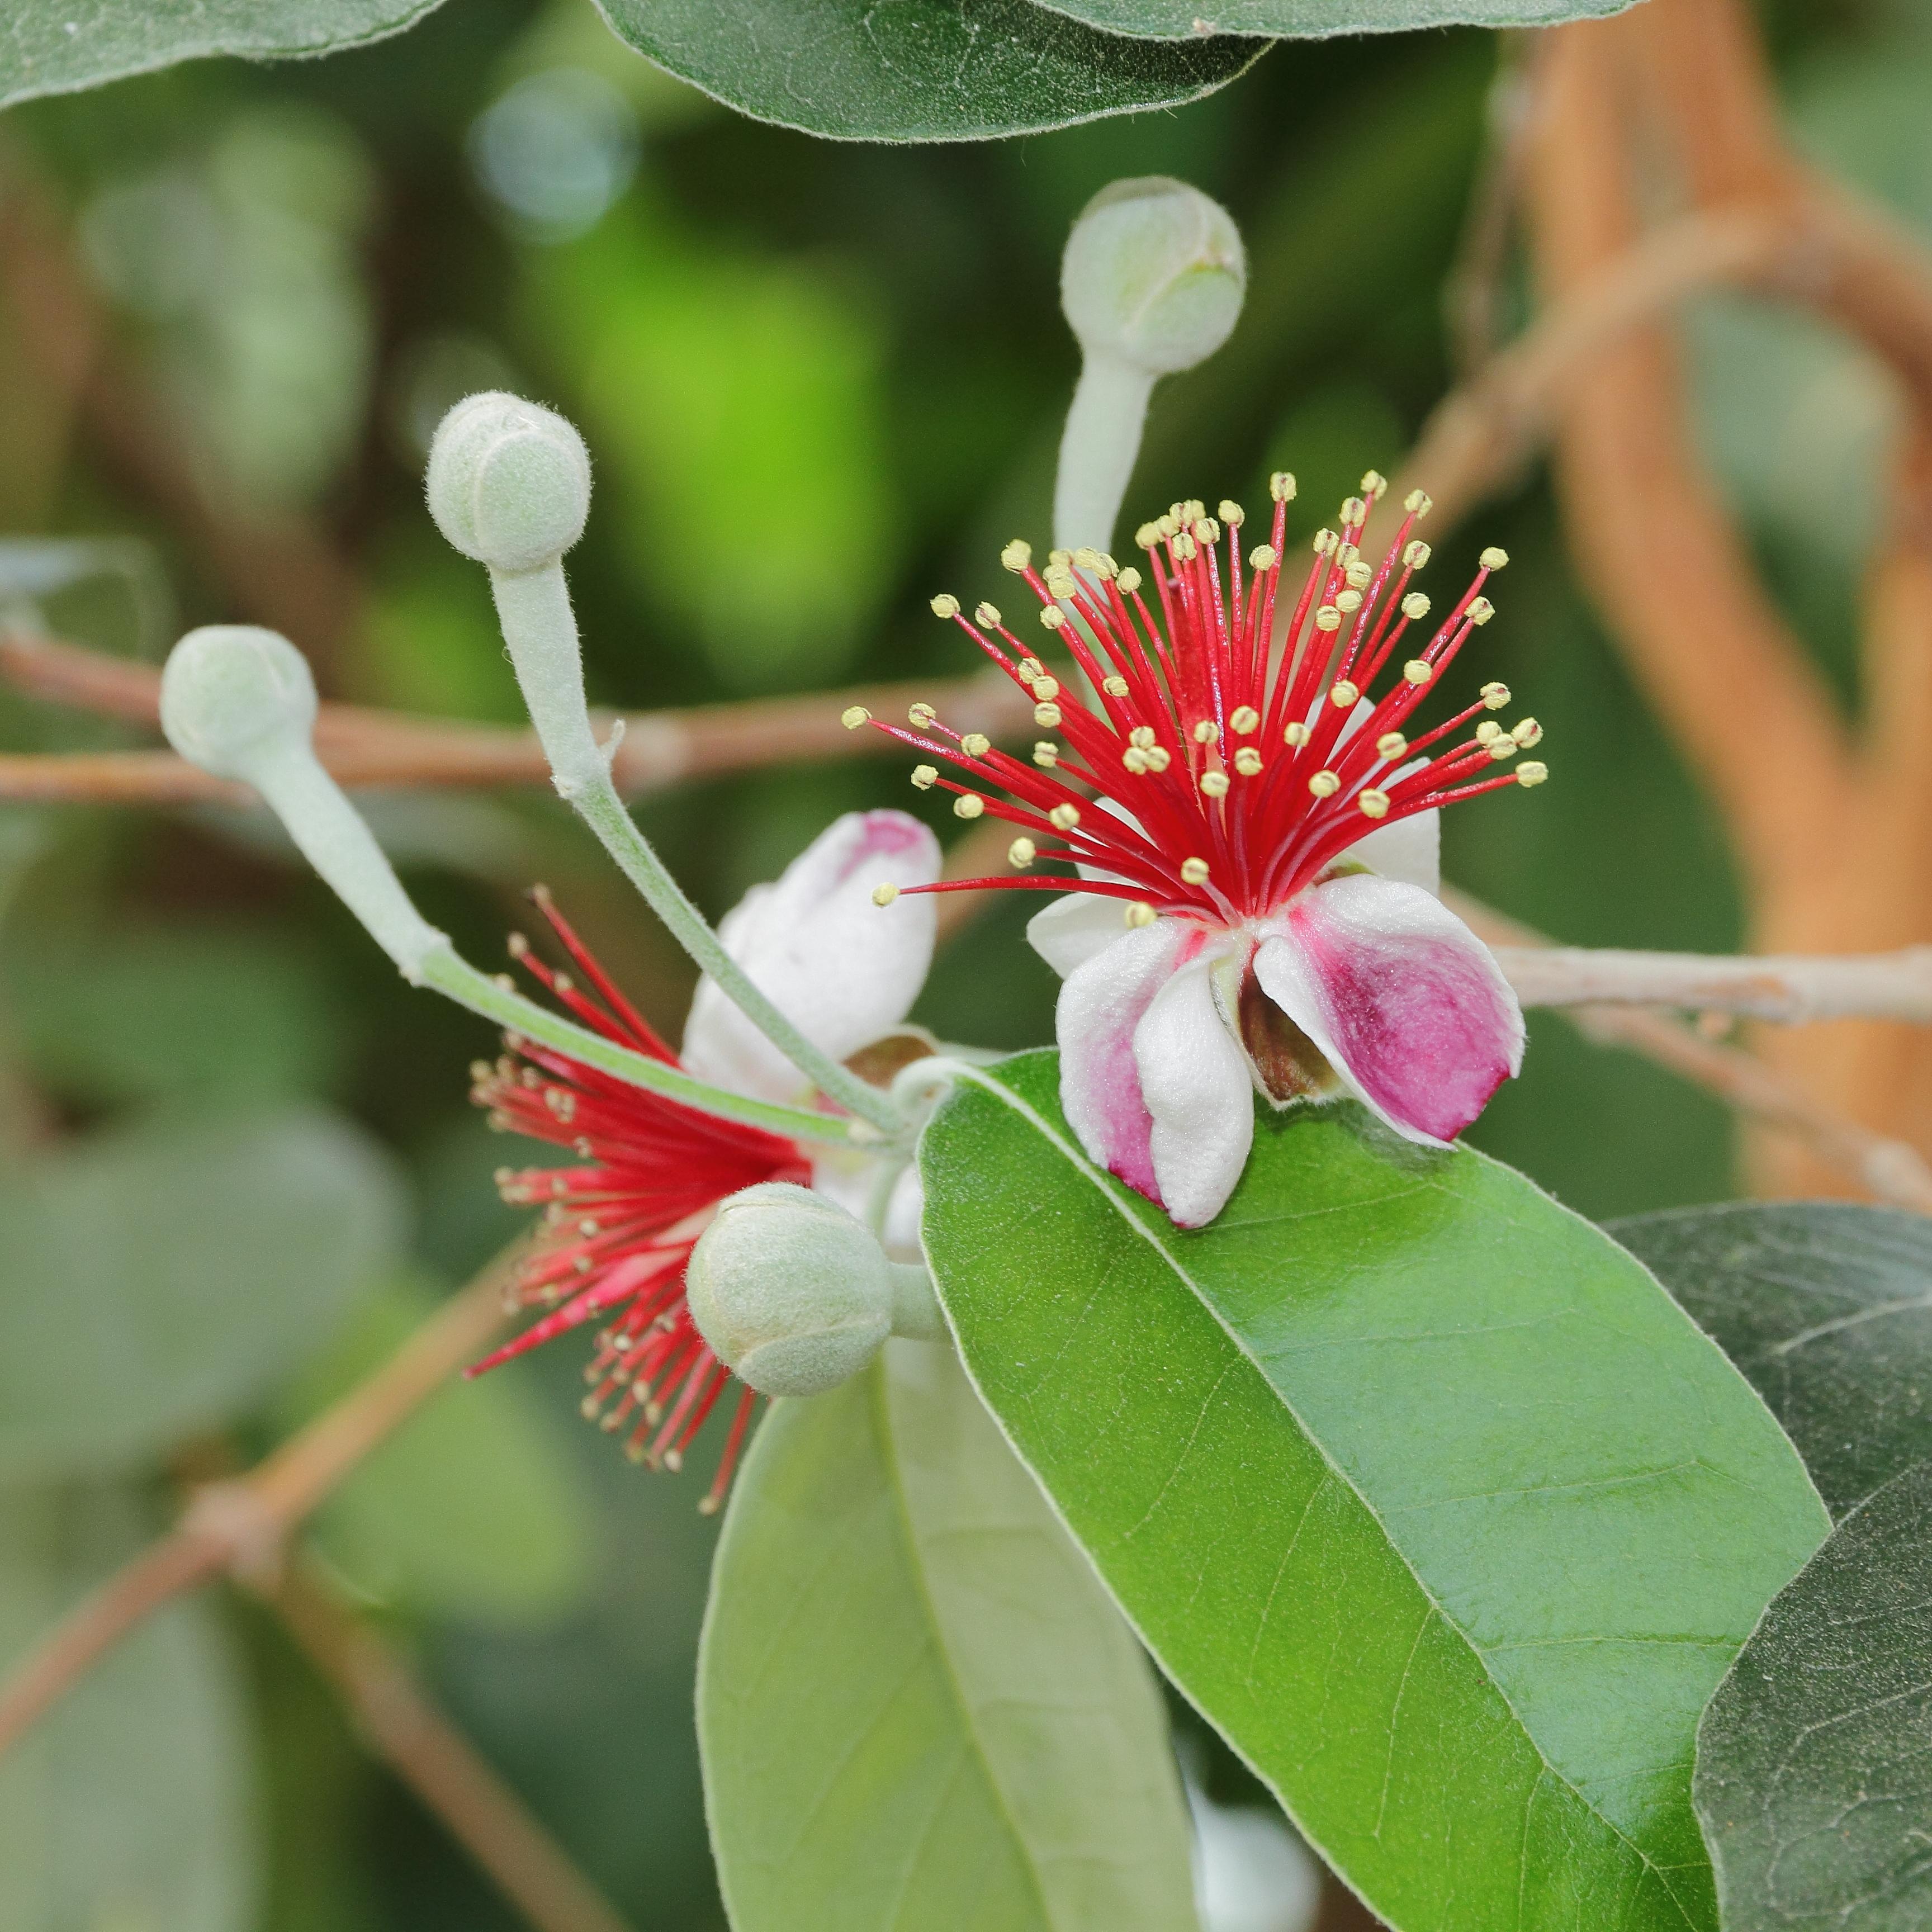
(794, 1296)
(233, 695)
(1154, 273)
(508, 482)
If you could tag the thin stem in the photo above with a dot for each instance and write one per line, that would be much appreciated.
(604, 811)
(1097, 450)
(432, 1757)
(456, 978)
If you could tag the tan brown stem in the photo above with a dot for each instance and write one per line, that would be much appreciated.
(403, 1726)
(1794, 989)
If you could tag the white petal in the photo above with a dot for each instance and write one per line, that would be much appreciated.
(1068, 931)
(1406, 1003)
(1198, 1093)
(852, 1180)
(842, 969)
(1101, 1003)
(1410, 851)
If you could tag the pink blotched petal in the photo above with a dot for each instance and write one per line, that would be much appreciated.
(1197, 1092)
(1403, 999)
(842, 969)
(1101, 1004)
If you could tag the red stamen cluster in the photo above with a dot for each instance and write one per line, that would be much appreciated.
(1219, 774)
(618, 1229)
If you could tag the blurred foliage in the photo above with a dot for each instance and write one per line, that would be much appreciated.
(820, 381)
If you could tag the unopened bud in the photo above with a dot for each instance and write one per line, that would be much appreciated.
(795, 1297)
(508, 482)
(234, 695)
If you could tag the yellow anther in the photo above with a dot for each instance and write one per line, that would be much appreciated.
(1230, 513)
(1527, 731)
(1135, 759)
(945, 605)
(1325, 784)
(1415, 606)
(1281, 486)
(1328, 618)
(1194, 870)
(1063, 583)
(1214, 784)
(1354, 511)
(1345, 553)
(1374, 804)
(1047, 717)
(988, 615)
(1058, 559)
(1374, 485)
(1248, 762)
(1296, 734)
(1244, 719)
(1168, 521)
(1348, 601)
(1488, 732)
(1390, 744)
(1416, 554)
(1115, 686)
(1064, 818)
(1417, 672)
(1031, 668)
(1052, 616)
(1532, 771)
(1183, 548)
(1342, 694)
(883, 894)
(926, 776)
(1493, 558)
(1017, 555)
(1206, 732)
(1358, 574)
(1503, 746)
(921, 716)
(1495, 696)
(1262, 558)
(1139, 913)
(1418, 502)
(976, 744)
(1325, 542)
(1021, 852)
(1192, 511)
(1147, 536)
(1046, 689)
(853, 716)
(1205, 530)
(1480, 610)
(1142, 737)
(1087, 558)
(968, 805)
(1130, 581)
(1046, 754)
(1160, 758)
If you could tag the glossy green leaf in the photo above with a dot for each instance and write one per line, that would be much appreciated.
(129, 1807)
(1813, 1778)
(916, 1707)
(60, 46)
(1827, 1308)
(162, 1277)
(473, 1509)
(1418, 1486)
(1323, 19)
(916, 69)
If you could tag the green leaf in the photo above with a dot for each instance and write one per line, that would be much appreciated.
(1322, 19)
(916, 1706)
(472, 1509)
(164, 1277)
(1827, 1308)
(129, 1808)
(916, 69)
(60, 46)
(1416, 1483)
(1812, 1777)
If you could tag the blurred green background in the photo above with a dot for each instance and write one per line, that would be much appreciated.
(819, 382)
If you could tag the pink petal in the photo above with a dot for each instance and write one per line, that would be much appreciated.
(1403, 999)
(1100, 1005)
(842, 969)
(1198, 1091)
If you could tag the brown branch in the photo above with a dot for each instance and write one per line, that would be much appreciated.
(1794, 989)
(240, 1524)
(434, 1758)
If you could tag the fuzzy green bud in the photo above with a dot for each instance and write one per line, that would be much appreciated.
(795, 1297)
(235, 695)
(508, 482)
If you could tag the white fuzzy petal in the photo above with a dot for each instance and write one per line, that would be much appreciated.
(1068, 931)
